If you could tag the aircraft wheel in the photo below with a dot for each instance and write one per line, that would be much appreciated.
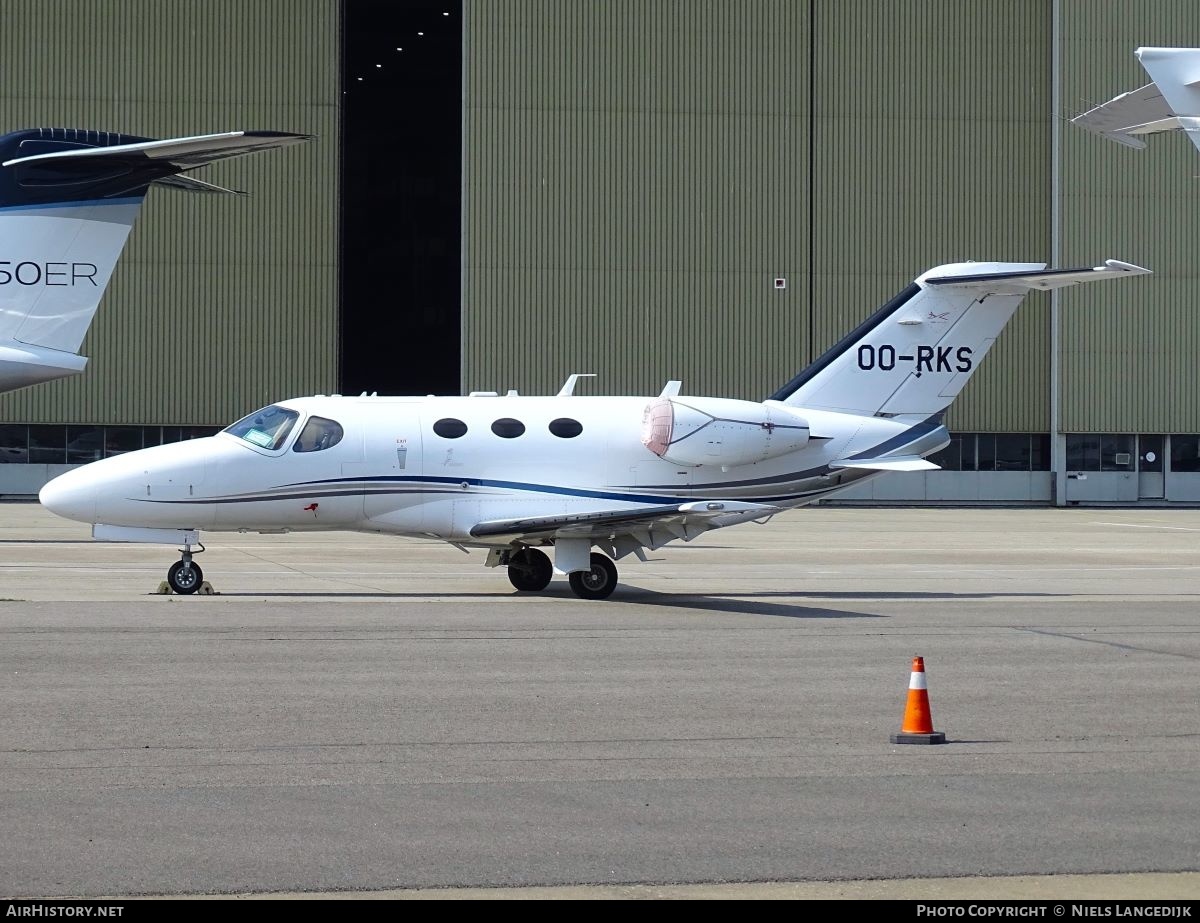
(529, 570)
(597, 583)
(184, 577)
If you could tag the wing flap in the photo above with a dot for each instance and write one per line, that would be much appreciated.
(609, 523)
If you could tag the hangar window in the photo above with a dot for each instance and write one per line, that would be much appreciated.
(566, 428)
(267, 428)
(995, 452)
(1012, 452)
(508, 428)
(47, 444)
(84, 444)
(1083, 452)
(450, 428)
(318, 433)
(121, 439)
(951, 457)
(1185, 452)
(1116, 452)
(14, 444)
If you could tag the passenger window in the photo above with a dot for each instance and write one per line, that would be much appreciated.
(318, 433)
(508, 428)
(566, 428)
(450, 428)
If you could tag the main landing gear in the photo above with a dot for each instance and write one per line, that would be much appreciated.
(597, 583)
(530, 570)
(184, 576)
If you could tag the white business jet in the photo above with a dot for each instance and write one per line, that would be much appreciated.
(1170, 103)
(518, 474)
(68, 199)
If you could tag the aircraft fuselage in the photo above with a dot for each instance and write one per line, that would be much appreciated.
(391, 471)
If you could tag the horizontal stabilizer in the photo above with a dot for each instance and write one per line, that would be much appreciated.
(892, 463)
(1139, 112)
(1170, 103)
(187, 153)
(1037, 280)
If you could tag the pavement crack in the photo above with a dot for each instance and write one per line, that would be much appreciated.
(1116, 644)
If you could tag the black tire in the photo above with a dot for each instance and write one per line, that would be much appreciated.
(184, 578)
(597, 583)
(529, 570)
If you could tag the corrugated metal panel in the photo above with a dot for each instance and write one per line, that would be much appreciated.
(1129, 348)
(636, 177)
(932, 146)
(219, 304)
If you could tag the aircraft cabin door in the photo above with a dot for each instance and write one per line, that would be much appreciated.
(393, 469)
(1150, 467)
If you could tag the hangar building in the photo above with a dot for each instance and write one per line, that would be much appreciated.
(503, 192)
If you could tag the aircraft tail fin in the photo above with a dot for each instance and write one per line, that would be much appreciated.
(915, 354)
(68, 199)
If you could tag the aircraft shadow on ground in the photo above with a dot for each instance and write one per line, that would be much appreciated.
(742, 603)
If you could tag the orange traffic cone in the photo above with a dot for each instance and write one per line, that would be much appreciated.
(918, 725)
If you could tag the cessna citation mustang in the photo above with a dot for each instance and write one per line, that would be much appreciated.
(1170, 103)
(68, 199)
(517, 475)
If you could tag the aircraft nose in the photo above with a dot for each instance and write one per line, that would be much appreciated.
(70, 497)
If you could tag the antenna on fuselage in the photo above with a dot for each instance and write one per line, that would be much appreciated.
(568, 387)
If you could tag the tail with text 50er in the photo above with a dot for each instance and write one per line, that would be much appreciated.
(68, 199)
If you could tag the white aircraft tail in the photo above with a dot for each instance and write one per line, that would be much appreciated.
(915, 354)
(68, 199)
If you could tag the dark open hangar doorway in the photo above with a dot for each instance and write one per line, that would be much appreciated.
(401, 197)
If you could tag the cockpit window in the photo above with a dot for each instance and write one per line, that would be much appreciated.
(267, 428)
(318, 433)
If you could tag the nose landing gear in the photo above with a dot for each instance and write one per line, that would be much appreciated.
(184, 576)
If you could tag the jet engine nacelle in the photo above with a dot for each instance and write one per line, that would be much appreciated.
(696, 431)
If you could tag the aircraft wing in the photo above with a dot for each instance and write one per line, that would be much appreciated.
(685, 520)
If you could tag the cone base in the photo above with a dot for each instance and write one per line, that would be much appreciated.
(936, 737)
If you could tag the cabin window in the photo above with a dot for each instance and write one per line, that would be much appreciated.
(450, 428)
(566, 428)
(267, 428)
(508, 428)
(318, 433)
